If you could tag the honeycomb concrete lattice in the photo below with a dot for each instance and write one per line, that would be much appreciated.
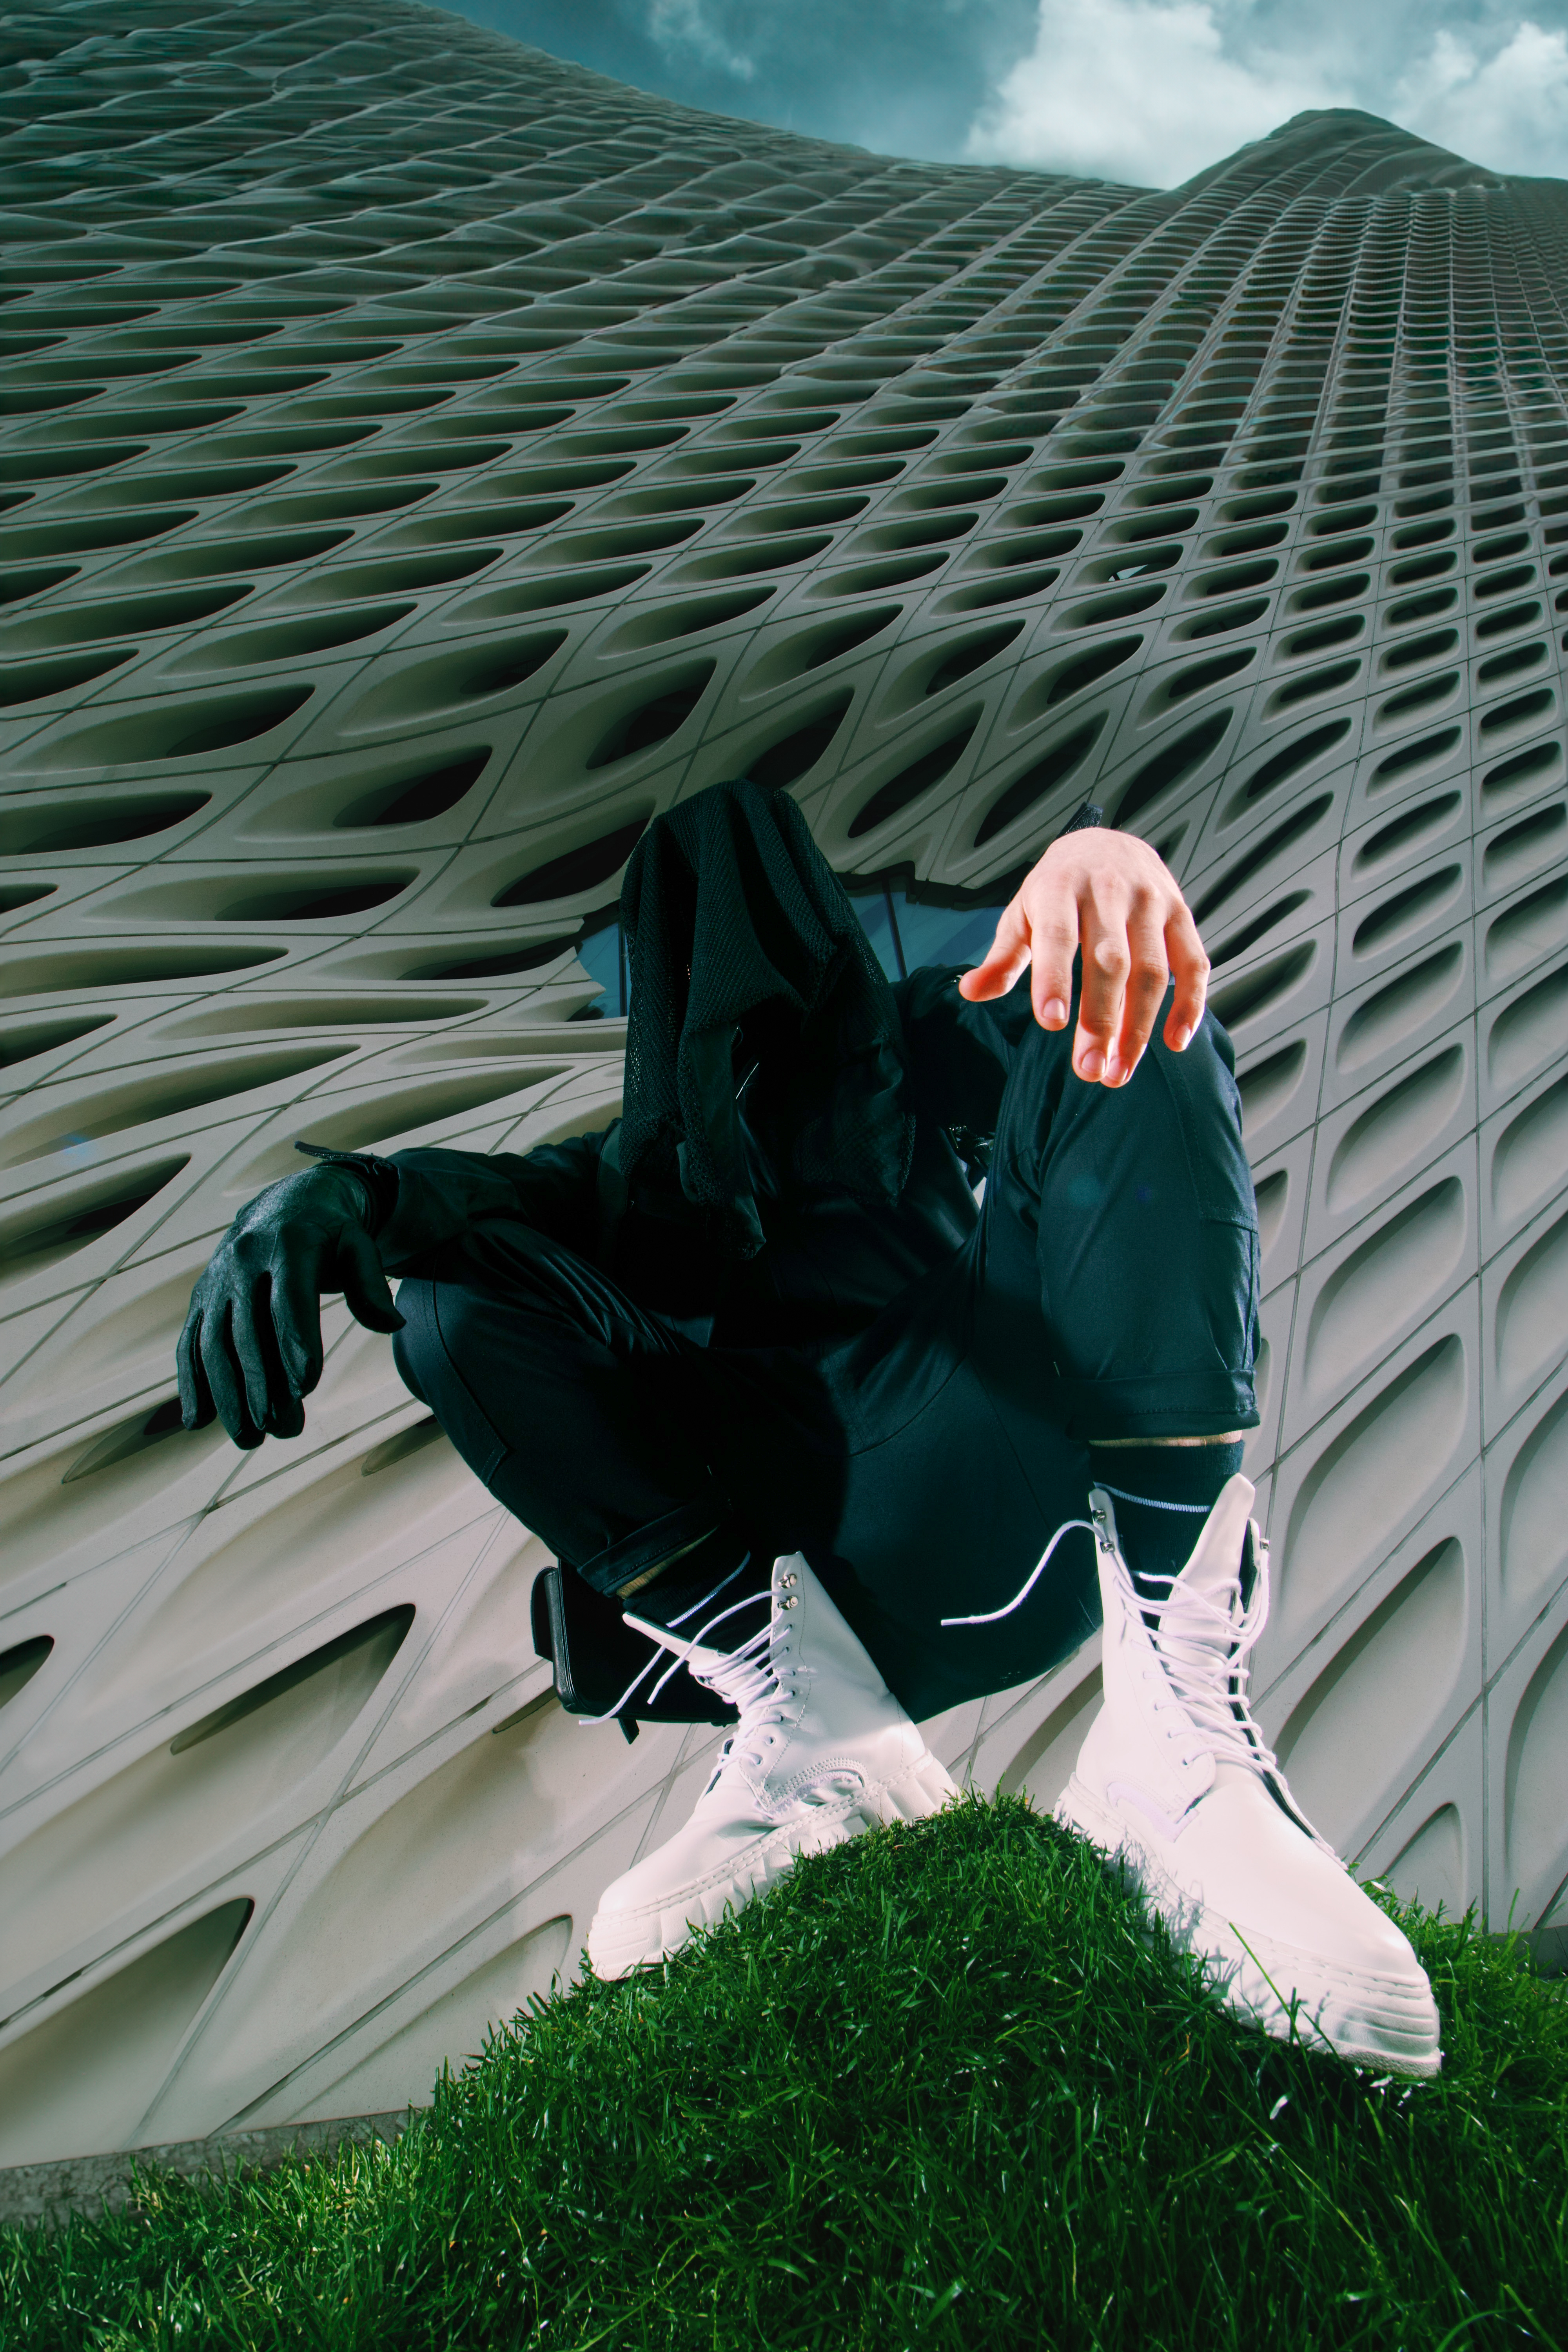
(423, 461)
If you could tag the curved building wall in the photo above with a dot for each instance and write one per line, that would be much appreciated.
(425, 461)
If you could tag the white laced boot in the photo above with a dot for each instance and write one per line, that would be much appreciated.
(1175, 1779)
(822, 1751)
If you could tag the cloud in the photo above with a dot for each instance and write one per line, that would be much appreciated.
(904, 77)
(682, 24)
(1143, 90)
(1508, 112)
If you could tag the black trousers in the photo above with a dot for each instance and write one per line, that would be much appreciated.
(1109, 1290)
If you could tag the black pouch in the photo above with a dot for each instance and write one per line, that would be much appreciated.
(597, 1655)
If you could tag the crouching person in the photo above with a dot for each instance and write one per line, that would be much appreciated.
(823, 1446)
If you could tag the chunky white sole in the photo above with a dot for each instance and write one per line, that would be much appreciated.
(1384, 2021)
(620, 1941)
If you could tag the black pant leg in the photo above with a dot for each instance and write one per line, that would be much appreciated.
(1110, 1290)
(1121, 1255)
(572, 1404)
(618, 1439)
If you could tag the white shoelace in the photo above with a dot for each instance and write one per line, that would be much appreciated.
(991, 1615)
(748, 1677)
(752, 1679)
(586, 1722)
(1205, 1655)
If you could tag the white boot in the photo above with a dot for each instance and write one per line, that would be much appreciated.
(822, 1751)
(1175, 1779)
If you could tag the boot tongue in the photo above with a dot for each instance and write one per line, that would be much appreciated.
(1200, 1639)
(1214, 1567)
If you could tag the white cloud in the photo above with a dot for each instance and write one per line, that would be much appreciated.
(680, 24)
(1142, 90)
(1508, 112)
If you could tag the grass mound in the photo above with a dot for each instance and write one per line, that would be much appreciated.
(940, 2089)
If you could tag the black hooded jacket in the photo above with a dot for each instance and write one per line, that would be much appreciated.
(789, 1160)
(759, 1017)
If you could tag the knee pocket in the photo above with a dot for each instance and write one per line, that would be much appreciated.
(1202, 1090)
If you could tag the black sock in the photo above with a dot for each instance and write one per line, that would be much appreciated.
(723, 1568)
(1163, 1494)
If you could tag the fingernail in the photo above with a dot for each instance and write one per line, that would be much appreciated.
(1091, 1063)
(1114, 1073)
(1179, 1040)
(1054, 1013)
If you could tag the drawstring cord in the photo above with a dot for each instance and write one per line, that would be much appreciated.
(991, 1616)
(1153, 1502)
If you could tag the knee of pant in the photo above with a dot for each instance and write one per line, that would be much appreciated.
(1210, 1051)
(1201, 1086)
(412, 1346)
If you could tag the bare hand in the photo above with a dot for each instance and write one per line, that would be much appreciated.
(1110, 895)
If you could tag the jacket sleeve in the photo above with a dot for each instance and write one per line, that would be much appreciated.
(420, 1199)
(959, 1053)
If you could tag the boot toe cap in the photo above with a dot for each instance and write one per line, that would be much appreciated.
(1296, 1946)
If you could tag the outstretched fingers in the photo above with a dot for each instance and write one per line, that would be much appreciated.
(266, 1386)
(1039, 928)
(231, 1359)
(1004, 959)
(1148, 977)
(224, 1371)
(366, 1293)
(251, 1348)
(1053, 934)
(1190, 970)
(1108, 896)
(196, 1406)
(1107, 963)
(296, 1311)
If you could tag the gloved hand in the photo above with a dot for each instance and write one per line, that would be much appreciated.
(251, 1347)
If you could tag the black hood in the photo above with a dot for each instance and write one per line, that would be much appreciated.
(746, 951)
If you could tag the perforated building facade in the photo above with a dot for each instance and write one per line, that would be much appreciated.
(423, 461)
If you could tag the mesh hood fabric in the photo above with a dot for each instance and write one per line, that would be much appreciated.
(744, 949)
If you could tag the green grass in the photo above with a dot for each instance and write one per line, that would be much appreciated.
(937, 2090)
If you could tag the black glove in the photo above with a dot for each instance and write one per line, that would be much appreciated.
(251, 1347)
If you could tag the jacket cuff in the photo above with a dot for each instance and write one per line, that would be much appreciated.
(1083, 820)
(378, 1178)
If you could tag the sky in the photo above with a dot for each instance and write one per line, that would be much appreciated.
(1142, 90)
